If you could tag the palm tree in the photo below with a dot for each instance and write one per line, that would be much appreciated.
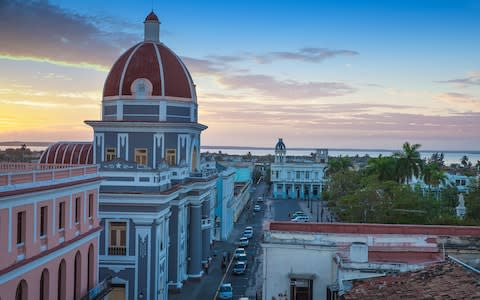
(383, 167)
(433, 176)
(409, 162)
(464, 161)
(339, 164)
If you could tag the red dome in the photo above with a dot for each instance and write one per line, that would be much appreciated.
(153, 61)
(68, 153)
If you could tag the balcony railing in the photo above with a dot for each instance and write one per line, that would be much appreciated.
(206, 223)
(117, 250)
(100, 291)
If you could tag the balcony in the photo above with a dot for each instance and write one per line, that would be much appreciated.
(117, 250)
(206, 223)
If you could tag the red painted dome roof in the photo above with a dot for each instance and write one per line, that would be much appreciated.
(155, 62)
(68, 153)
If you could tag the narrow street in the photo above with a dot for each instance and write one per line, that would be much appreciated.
(248, 284)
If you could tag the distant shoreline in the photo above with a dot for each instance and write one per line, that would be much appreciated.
(45, 144)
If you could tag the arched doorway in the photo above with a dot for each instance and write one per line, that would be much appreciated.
(91, 267)
(44, 285)
(22, 291)
(61, 284)
(77, 276)
(194, 159)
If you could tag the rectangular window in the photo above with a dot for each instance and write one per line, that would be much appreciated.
(141, 156)
(43, 220)
(77, 209)
(110, 154)
(61, 215)
(172, 157)
(118, 238)
(90, 205)
(21, 220)
(307, 175)
(298, 174)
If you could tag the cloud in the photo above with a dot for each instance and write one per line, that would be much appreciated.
(307, 54)
(471, 80)
(285, 89)
(460, 99)
(46, 33)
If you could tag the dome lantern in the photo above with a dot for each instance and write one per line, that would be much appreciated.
(152, 28)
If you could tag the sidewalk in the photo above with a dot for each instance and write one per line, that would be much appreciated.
(318, 211)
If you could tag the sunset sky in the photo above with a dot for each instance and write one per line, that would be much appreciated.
(329, 74)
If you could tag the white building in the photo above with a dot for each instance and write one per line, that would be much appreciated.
(298, 178)
(319, 260)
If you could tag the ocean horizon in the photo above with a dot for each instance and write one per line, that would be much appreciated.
(450, 156)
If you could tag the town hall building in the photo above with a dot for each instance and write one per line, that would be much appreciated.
(298, 178)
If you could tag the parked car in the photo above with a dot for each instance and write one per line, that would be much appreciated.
(239, 268)
(226, 291)
(256, 208)
(242, 258)
(249, 228)
(248, 233)
(298, 213)
(243, 242)
(238, 252)
(300, 219)
(260, 199)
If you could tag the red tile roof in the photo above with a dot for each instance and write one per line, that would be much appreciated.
(375, 228)
(446, 280)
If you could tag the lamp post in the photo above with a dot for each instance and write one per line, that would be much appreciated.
(318, 209)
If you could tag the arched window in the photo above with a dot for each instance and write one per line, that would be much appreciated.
(91, 267)
(22, 291)
(62, 274)
(77, 276)
(44, 284)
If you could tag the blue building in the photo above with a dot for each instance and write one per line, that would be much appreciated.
(298, 178)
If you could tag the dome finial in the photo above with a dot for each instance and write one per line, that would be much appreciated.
(152, 27)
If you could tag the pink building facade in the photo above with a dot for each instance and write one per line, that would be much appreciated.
(49, 231)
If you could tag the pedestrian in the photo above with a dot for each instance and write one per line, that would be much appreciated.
(205, 266)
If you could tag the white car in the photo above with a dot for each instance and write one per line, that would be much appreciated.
(260, 199)
(300, 219)
(243, 242)
(248, 233)
(238, 252)
(256, 208)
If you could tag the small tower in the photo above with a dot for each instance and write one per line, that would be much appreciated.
(280, 152)
(152, 28)
(321, 156)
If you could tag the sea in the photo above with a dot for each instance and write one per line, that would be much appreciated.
(450, 157)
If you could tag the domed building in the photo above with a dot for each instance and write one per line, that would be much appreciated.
(156, 200)
(302, 179)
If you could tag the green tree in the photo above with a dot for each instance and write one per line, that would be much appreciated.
(409, 162)
(339, 164)
(472, 202)
(464, 161)
(383, 167)
(433, 177)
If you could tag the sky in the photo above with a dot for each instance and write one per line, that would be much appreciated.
(321, 74)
